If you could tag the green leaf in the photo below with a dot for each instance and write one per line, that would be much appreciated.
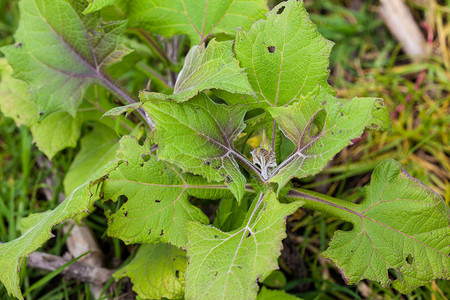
(51, 135)
(96, 5)
(167, 262)
(402, 225)
(266, 294)
(60, 52)
(198, 136)
(285, 57)
(157, 208)
(97, 148)
(212, 68)
(320, 126)
(199, 19)
(39, 226)
(227, 265)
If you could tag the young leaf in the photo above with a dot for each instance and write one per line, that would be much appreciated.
(402, 227)
(13, 253)
(167, 262)
(285, 57)
(198, 137)
(197, 19)
(96, 5)
(157, 209)
(320, 126)
(226, 265)
(97, 148)
(60, 52)
(212, 68)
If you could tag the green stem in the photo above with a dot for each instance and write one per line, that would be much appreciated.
(341, 209)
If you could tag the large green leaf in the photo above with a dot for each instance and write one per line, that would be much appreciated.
(212, 68)
(285, 57)
(97, 148)
(58, 131)
(320, 126)
(158, 208)
(197, 18)
(401, 225)
(39, 226)
(157, 272)
(198, 136)
(60, 52)
(401, 229)
(226, 265)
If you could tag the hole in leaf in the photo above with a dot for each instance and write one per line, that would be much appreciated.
(317, 123)
(145, 157)
(125, 213)
(271, 49)
(393, 274)
(409, 259)
(249, 234)
(207, 162)
(162, 232)
(157, 201)
(280, 10)
(346, 226)
(19, 45)
(42, 112)
(177, 273)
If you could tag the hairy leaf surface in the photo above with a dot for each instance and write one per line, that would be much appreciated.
(197, 18)
(285, 57)
(212, 68)
(198, 137)
(401, 225)
(39, 226)
(157, 209)
(58, 131)
(60, 52)
(226, 265)
(157, 272)
(320, 126)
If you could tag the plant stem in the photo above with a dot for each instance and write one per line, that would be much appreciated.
(124, 97)
(344, 210)
(152, 44)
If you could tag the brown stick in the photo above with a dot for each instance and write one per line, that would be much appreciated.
(401, 24)
(77, 270)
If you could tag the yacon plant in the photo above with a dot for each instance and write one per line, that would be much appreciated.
(269, 82)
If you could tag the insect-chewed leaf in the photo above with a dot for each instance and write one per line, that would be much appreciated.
(196, 18)
(167, 261)
(212, 68)
(226, 265)
(401, 226)
(285, 57)
(198, 136)
(157, 207)
(59, 52)
(320, 126)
